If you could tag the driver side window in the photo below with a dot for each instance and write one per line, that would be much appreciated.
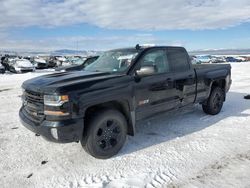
(157, 59)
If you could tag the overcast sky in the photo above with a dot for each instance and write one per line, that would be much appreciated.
(104, 24)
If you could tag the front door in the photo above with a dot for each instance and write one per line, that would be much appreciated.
(155, 93)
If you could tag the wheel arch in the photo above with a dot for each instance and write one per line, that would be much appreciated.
(221, 83)
(119, 105)
(218, 83)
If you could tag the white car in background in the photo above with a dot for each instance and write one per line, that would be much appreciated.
(204, 58)
(218, 59)
(20, 66)
(40, 63)
(61, 61)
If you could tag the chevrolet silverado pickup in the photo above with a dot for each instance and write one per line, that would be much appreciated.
(100, 106)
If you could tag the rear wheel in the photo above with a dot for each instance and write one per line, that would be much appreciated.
(106, 134)
(214, 102)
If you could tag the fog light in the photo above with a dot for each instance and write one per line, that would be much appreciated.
(54, 133)
(55, 113)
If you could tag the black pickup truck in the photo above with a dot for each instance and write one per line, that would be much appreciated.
(100, 106)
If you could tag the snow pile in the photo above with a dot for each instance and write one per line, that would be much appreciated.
(179, 149)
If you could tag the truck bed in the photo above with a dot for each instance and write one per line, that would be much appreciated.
(212, 66)
(207, 73)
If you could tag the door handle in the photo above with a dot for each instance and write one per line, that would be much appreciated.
(190, 79)
(169, 82)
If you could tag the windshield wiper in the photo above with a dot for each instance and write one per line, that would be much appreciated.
(96, 70)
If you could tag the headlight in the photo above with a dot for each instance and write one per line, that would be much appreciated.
(55, 100)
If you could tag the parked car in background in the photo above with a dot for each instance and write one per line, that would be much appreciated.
(204, 58)
(232, 59)
(51, 62)
(2, 68)
(218, 59)
(194, 60)
(247, 58)
(240, 59)
(4, 62)
(40, 63)
(243, 58)
(20, 66)
(79, 64)
(61, 61)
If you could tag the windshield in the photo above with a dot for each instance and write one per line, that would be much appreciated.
(113, 61)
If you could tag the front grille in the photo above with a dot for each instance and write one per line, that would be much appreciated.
(33, 97)
(33, 106)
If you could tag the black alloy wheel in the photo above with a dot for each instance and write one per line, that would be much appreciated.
(215, 101)
(106, 134)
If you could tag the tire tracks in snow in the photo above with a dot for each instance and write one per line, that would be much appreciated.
(212, 173)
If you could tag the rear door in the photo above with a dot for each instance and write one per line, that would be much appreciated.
(155, 93)
(183, 74)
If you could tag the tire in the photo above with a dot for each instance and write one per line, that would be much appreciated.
(106, 134)
(215, 101)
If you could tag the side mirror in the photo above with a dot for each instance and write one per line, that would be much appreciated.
(146, 71)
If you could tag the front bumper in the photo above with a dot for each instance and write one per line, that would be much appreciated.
(63, 131)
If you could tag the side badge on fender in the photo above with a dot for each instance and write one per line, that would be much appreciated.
(143, 102)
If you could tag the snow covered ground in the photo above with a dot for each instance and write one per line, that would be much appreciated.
(178, 149)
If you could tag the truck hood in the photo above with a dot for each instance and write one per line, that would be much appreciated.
(63, 81)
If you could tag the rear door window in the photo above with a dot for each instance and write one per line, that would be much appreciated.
(178, 60)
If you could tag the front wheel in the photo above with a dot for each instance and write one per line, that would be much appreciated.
(214, 102)
(106, 134)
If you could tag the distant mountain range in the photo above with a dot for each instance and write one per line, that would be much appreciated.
(74, 52)
(221, 52)
(65, 52)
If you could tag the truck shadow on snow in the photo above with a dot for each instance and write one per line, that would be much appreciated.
(168, 126)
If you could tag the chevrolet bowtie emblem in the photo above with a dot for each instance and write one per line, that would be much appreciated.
(25, 103)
